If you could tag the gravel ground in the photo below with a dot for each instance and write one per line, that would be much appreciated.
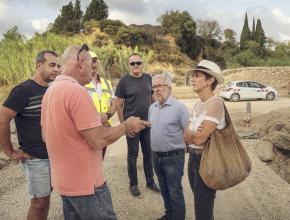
(264, 195)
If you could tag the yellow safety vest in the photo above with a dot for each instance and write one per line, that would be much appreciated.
(102, 105)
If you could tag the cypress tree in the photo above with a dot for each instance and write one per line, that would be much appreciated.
(253, 37)
(246, 34)
(64, 23)
(78, 14)
(97, 10)
(260, 37)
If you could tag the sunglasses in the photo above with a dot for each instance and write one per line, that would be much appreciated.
(84, 47)
(135, 63)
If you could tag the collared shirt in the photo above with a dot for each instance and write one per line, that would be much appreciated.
(76, 168)
(167, 124)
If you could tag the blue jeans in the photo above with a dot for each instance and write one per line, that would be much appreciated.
(89, 207)
(203, 195)
(169, 171)
(37, 173)
(133, 149)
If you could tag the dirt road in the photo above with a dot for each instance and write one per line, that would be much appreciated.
(264, 195)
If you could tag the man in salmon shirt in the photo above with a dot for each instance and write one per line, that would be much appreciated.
(74, 137)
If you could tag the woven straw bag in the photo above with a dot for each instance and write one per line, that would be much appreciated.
(225, 162)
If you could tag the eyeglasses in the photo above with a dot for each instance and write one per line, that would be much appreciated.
(135, 63)
(158, 86)
(84, 47)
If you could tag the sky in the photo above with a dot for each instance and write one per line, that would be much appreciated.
(34, 15)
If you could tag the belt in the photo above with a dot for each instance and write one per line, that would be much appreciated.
(169, 153)
(194, 151)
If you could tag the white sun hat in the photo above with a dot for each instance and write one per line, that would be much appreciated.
(211, 69)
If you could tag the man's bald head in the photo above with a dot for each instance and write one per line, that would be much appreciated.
(77, 64)
(70, 54)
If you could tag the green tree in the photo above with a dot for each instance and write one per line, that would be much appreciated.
(97, 10)
(78, 15)
(111, 27)
(246, 34)
(209, 30)
(260, 37)
(172, 21)
(13, 34)
(230, 35)
(182, 26)
(64, 23)
(188, 41)
(253, 33)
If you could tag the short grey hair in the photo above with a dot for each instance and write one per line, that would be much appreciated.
(166, 76)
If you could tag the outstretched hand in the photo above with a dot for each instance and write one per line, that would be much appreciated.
(135, 125)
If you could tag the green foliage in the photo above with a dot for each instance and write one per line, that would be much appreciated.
(246, 34)
(182, 26)
(17, 58)
(163, 53)
(97, 10)
(78, 15)
(253, 46)
(246, 58)
(66, 22)
(111, 27)
(230, 35)
(253, 33)
(172, 21)
(260, 37)
(132, 37)
(114, 60)
(189, 43)
(209, 30)
(13, 34)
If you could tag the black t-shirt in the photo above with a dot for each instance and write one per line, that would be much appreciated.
(137, 94)
(25, 99)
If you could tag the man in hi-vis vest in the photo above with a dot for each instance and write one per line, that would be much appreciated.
(101, 91)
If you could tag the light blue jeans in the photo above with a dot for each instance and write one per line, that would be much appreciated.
(37, 173)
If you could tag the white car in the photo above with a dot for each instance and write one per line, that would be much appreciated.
(247, 89)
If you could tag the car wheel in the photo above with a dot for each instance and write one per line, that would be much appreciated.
(270, 96)
(235, 97)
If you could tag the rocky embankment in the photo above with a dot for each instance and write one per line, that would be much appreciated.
(272, 131)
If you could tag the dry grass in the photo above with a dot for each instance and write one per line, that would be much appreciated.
(4, 91)
(183, 92)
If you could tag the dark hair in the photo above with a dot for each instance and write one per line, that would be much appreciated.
(135, 54)
(40, 58)
(214, 84)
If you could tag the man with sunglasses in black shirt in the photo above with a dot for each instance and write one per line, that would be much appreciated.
(134, 95)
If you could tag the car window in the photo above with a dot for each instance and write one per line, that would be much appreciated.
(254, 85)
(242, 84)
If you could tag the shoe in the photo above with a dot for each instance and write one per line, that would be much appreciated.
(135, 190)
(153, 187)
(162, 218)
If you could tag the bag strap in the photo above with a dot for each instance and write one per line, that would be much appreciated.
(228, 118)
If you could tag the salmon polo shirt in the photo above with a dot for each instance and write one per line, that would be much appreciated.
(67, 109)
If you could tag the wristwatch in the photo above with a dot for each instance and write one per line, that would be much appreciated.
(109, 115)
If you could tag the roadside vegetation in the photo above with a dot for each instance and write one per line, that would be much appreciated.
(175, 45)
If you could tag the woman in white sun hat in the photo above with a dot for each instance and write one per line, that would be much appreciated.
(208, 114)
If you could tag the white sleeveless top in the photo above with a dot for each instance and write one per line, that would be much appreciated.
(210, 110)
